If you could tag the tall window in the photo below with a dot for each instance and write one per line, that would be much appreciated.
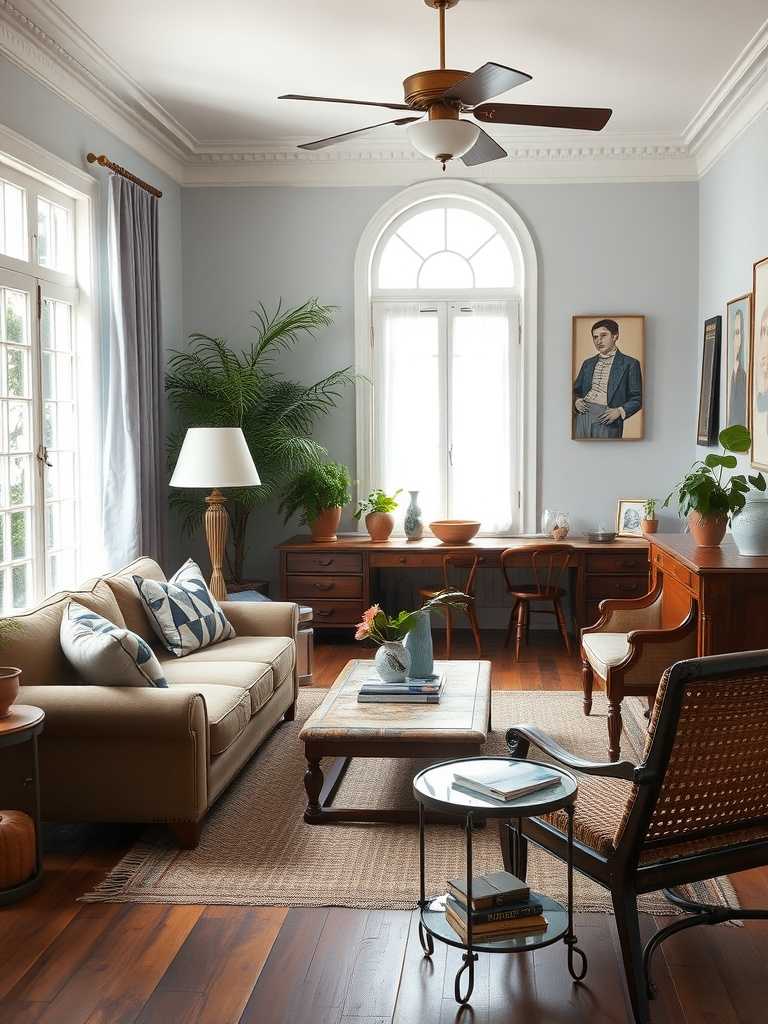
(445, 291)
(39, 471)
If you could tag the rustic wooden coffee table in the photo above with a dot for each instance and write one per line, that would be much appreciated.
(341, 728)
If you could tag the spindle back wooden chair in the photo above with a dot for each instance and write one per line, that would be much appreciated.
(467, 584)
(549, 564)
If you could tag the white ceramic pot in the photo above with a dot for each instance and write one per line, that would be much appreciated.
(750, 527)
(392, 661)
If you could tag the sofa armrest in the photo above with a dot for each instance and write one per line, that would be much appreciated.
(263, 618)
(130, 712)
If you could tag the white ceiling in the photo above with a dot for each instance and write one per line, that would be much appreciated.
(218, 68)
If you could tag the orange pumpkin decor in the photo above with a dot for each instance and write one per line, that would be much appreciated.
(17, 848)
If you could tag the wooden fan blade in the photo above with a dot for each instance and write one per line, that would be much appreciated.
(483, 151)
(590, 119)
(488, 81)
(322, 143)
(356, 103)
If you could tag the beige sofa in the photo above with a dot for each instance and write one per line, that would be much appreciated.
(116, 753)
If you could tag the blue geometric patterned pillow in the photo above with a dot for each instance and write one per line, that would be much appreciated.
(183, 612)
(106, 654)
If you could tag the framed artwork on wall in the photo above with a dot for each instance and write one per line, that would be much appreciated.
(738, 325)
(608, 369)
(709, 391)
(629, 516)
(759, 364)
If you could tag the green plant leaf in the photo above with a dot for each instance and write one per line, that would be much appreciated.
(727, 461)
(758, 482)
(735, 439)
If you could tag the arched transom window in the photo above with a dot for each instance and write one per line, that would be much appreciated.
(445, 283)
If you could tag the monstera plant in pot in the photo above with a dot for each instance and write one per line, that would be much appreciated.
(706, 500)
(318, 495)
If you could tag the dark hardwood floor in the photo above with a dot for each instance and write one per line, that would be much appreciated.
(64, 962)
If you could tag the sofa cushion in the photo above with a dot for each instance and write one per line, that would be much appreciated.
(277, 651)
(124, 589)
(106, 654)
(604, 650)
(228, 709)
(254, 677)
(34, 645)
(184, 613)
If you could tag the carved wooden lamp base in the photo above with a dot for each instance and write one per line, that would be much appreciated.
(216, 529)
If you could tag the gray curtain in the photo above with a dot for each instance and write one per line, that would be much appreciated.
(134, 492)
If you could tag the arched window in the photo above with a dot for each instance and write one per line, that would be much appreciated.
(442, 294)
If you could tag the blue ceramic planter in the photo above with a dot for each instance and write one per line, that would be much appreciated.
(418, 642)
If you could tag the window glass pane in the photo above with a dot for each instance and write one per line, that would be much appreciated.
(467, 231)
(3, 485)
(19, 427)
(13, 234)
(16, 317)
(47, 324)
(446, 270)
(20, 535)
(44, 230)
(55, 240)
(60, 524)
(17, 373)
(61, 570)
(480, 420)
(425, 232)
(21, 585)
(57, 376)
(60, 475)
(63, 326)
(20, 489)
(398, 266)
(410, 420)
(493, 265)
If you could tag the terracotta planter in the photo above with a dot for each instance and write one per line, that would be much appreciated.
(326, 524)
(379, 526)
(9, 689)
(707, 531)
(649, 525)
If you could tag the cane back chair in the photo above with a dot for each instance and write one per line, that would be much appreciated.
(549, 563)
(452, 563)
(696, 807)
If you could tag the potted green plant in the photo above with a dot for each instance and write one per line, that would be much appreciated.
(318, 495)
(707, 501)
(378, 508)
(649, 523)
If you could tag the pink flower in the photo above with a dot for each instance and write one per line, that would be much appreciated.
(363, 631)
(364, 628)
(370, 615)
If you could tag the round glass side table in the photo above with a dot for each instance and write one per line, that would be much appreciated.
(434, 790)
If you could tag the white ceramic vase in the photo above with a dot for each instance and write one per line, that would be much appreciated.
(392, 661)
(750, 527)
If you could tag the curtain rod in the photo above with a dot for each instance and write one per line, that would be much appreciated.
(104, 161)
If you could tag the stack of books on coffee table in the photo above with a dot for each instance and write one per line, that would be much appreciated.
(502, 908)
(412, 691)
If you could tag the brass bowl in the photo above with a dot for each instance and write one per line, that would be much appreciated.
(455, 531)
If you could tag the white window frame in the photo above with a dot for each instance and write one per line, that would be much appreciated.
(41, 172)
(525, 292)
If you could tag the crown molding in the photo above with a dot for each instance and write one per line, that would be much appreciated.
(46, 43)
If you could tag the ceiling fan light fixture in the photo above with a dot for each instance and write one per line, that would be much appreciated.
(443, 140)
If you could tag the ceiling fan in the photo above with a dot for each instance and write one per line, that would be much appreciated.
(443, 95)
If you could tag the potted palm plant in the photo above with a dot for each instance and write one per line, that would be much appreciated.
(705, 499)
(378, 508)
(318, 496)
(213, 384)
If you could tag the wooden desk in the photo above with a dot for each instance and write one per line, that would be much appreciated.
(336, 579)
(730, 590)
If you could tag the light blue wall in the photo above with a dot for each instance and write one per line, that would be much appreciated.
(622, 248)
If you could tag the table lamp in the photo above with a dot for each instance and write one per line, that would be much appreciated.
(215, 457)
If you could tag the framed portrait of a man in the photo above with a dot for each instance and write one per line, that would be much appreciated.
(608, 371)
(759, 364)
(737, 362)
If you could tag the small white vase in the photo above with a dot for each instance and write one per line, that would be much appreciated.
(413, 525)
(750, 527)
(392, 661)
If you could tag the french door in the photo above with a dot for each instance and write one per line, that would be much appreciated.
(445, 373)
(38, 446)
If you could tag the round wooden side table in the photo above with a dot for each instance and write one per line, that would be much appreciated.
(24, 725)
(434, 791)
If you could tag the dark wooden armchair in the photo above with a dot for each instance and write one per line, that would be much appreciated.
(696, 806)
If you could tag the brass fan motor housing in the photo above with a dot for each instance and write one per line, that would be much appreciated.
(437, 4)
(424, 88)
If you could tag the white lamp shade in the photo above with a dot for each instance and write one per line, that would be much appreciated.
(444, 139)
(215, 457)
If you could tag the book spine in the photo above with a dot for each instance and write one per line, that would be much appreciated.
(489, 902)
(527, 909)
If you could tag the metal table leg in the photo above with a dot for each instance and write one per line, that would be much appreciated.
(570, 939)
(426, 940)
(469, 958)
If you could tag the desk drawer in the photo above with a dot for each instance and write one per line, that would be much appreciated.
(324, 562)
(600, 587)
(309, 587)
(336, 613)
(402, 559)
(669, 567)
(618, 561)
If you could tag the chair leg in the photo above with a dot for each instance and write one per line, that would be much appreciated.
(448, 632)
(562, 624)
(474, 626)
(614, 729)
(587, 679)
(628, 927)
(511, 624)
(520, 628)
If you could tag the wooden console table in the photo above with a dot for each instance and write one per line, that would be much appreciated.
(336, 579)
(730, 591)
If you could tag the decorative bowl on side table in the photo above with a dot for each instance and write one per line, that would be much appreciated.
(434, 791)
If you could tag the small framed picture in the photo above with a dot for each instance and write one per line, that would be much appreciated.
(737, 362)
(709, 390)
(629, 516)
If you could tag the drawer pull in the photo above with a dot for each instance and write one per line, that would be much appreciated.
(402, 559)
(324, 586)
(324, 561)
(630, 563)
(627, 588)
(323, 613)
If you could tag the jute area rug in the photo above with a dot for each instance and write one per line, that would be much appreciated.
(257, 850)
